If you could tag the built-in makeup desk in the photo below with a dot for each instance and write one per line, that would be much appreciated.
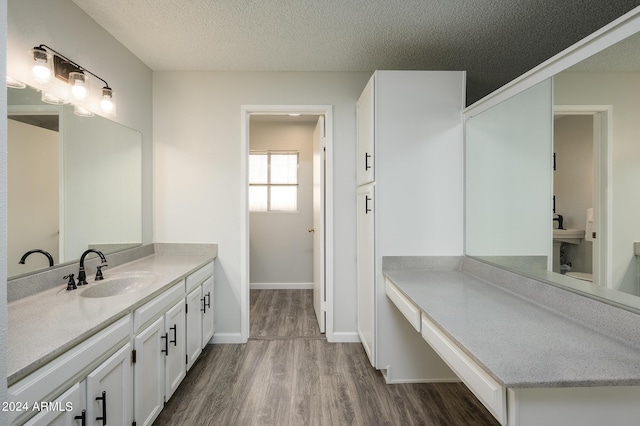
(529, 364)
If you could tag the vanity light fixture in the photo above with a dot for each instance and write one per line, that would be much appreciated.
(79, 85)
(42, 64)
(82, 111)
(48, 98)
(48, 62)
(15, 84)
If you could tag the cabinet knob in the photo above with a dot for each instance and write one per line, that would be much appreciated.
(311, 230)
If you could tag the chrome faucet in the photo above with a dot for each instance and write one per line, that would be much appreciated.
(82, 276)
(46, 253)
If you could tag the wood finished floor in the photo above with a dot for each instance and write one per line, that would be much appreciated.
(287, 374)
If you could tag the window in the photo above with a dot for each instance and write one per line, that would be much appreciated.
(273, 181)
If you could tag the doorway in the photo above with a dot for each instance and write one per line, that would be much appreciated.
(268, 207)
(582, 140)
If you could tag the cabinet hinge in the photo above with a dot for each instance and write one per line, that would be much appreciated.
(133, 356)
(186, 308)
(133, 423)
(186, 359)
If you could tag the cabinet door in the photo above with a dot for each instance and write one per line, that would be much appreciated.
(72, 400)
(366, 270)
(194, 325)
(175, 362)
(366, 128)
(207, 316)
(109, 391)
(149, 372)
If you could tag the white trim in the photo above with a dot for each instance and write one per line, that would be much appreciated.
(608, 35)
(246, 111)
(227, 339)
(281, 286)
(343, 336)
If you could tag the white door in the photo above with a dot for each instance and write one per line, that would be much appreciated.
(207, 316)
(149, 373)
(109, 393)
(195, 308)
(175, 362)
(71, 400)
(319, 296)
(366, 270)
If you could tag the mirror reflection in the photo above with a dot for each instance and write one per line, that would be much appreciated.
(73, 183)
(552, 174)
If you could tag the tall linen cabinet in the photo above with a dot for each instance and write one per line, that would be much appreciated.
(410, 192)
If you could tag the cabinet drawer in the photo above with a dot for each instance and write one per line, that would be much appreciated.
(199, 276)
(408, 309)
(157, 306)
(485, 388)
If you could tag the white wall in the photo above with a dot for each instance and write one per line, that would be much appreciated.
(620, 91)
(67, 29)
(508, 177)
(197, 137)
(3, 216)
(281, 248)
(101, 162)
(33, 196)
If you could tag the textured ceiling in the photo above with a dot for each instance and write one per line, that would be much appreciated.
(493, 40)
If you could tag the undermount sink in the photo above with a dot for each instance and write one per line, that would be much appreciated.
(122, 283)
(571, 236)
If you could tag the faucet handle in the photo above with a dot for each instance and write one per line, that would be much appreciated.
(99, 272)
(71, 284)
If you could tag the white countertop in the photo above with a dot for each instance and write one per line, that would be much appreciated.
(45, 325)
(519, 343)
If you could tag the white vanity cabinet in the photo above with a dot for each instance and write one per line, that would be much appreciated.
(199, 305)
(159, 344)
(409, 136)
(77, 377)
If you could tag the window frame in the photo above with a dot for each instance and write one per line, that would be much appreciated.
(270, 185)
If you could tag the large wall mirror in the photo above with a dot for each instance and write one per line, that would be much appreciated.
(552, 178)
(73, 183)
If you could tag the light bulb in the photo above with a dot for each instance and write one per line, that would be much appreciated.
(41, 65)
(79, 85)
(106, 103)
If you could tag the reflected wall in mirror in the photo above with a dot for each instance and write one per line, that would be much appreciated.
(588, 117)
(73, 183)
(598, 108)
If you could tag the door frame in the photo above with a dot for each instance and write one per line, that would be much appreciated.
(602, 161)
(246, 112)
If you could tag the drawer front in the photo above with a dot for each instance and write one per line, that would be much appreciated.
(485, 388)
(408, 309)
(199, 276)
(159, 305)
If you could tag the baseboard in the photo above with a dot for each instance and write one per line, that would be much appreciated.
(281, 286)
(343, 337)
(226, 339)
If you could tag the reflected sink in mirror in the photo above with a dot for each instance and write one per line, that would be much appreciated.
(571, 236)
(118, 284)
